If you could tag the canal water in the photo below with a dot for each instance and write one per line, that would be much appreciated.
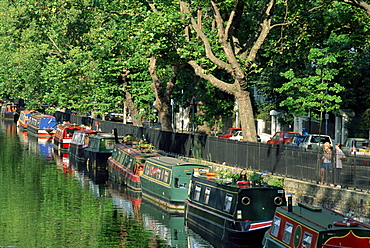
(45, 201)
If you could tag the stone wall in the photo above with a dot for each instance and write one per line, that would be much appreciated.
(352, 203)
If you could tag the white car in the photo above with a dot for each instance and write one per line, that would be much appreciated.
(315, 141)
(237, 136)
(357, 146)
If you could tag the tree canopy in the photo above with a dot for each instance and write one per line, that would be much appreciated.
(102, 56)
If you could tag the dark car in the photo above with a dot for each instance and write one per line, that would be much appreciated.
(114, 117)
(282, 137)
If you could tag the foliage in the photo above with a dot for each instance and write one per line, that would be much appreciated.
(225, 173)
(315, 93)
(278, 182)
(255, 177)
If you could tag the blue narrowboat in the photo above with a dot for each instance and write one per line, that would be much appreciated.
(42, 126)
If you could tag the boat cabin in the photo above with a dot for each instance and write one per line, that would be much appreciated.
(166, 180)
(24, 118)
(41, 125)
(102, 143)
(237, 215)
(173, 172)
(311, 227)
(126, 165)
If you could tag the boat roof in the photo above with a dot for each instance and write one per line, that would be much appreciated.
(317, 218)
(171, 161)
(87, 131)
(135, 152)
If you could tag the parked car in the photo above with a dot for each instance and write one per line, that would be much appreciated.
(357, 146)
(114, 117)
(295, 141)
(232, 132)
(315, 141)
(239, 136)
(282, 137)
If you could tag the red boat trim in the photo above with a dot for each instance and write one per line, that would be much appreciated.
(260, 225)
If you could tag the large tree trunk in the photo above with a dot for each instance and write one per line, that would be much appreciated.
(232, 48)
(132, 107)
(163, 101)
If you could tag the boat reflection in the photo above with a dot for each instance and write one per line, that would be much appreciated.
(62, 161)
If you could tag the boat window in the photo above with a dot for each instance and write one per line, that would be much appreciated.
(197, 193)
(207, 192)
(165, 176)
(159, 174)
(153, 171)
(288, 230)
(228, 201)
(307, 239)
(147, 169)
(109, 144)
(275, 226)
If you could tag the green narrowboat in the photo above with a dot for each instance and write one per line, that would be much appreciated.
(306, 226)
(97, 153)
(166, 180)
(231, 214)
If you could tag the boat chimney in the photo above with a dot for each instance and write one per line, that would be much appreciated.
(115, 135)
(290, 202)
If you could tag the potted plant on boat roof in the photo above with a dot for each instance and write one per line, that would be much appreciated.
(145, 146)
(256, 178)
(129, 139)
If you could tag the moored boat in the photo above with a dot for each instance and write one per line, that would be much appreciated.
(63, 135)
(231, 214)
(97, 153)
(311, 227)
(24, 118)
(80, 141)
(9, 111)
(126, 165)
(42, 126)
(166, 180)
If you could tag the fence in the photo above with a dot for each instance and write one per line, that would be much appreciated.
(283, 160)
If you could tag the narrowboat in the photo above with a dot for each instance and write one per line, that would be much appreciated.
(24, 118)
(9, 111)
(311, 227)
(166, 180)
(63, 135)
(42, 126)
(126, 165)
(80, 141)
(97, 154)
(229, 214)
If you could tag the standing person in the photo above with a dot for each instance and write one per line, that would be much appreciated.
(325, 162)
(339, 155)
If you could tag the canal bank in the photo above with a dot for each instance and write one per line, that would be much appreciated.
(351, 202)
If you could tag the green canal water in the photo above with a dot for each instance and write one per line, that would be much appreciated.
(45, 202)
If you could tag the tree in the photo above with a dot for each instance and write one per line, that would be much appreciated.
(231, 34)
(315, 93)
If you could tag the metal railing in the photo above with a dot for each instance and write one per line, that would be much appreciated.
(286, 161)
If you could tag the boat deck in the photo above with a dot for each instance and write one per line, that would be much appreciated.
(319, 219)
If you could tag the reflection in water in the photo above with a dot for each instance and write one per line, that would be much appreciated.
(53, 203)
(167, 226)
(42, 207)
